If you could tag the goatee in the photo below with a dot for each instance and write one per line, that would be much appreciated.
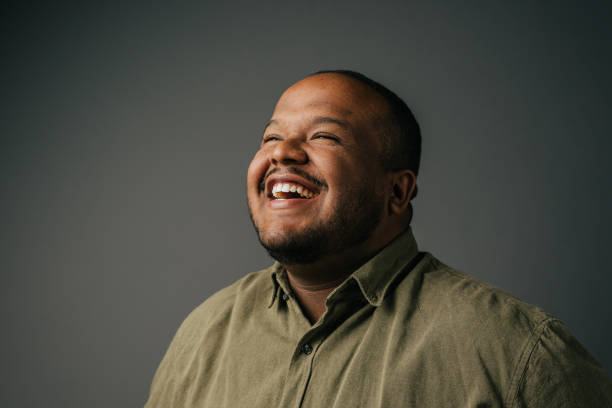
(353, 220)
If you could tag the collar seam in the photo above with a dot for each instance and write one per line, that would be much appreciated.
(372, 298)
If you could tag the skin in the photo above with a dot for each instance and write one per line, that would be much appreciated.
(341, 151)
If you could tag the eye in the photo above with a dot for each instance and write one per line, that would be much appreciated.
(326, 136)
(269, 138)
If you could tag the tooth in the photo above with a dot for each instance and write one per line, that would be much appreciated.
(293, 188)
(274, 188)
(299, 190)
(286, 188)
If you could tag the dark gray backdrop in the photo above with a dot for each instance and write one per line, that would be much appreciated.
(127, 130)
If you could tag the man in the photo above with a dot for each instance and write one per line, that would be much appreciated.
(351, 314)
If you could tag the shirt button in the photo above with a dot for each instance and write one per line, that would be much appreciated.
(285, 297)
(306, 349)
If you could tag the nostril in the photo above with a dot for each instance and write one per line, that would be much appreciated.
(290, 160)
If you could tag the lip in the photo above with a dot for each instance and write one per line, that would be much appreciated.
(290, 178)
(289, 203)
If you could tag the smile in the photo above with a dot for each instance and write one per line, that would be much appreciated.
(285, 191)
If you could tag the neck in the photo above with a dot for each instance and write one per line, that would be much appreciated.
(312, 283)
(312, 296)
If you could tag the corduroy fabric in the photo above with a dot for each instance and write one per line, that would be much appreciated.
(404, 330)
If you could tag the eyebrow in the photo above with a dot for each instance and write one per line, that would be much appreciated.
(317, 121)
(326, 119)
(271, 122)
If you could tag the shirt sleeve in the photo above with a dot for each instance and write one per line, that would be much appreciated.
(561, 373)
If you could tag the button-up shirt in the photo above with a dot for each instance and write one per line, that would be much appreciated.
(404, 330)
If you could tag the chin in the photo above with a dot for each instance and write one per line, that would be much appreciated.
(272, 238)
(296, 246)
(278, 239)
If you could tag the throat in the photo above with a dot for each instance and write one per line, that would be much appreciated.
(312, 297)
(312, 302)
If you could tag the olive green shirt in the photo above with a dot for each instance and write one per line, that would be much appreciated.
(403, 330)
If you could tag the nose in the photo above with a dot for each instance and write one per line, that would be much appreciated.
(289, 151)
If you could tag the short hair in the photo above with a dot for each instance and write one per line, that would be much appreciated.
(402, 142)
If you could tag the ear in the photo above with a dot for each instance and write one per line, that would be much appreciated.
(402, 191)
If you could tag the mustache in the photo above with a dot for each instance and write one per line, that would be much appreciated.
(296, 171)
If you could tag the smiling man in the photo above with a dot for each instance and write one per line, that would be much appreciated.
(352, 314)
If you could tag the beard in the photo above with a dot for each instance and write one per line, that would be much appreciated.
(354, 217)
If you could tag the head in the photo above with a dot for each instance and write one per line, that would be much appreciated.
(336, 169)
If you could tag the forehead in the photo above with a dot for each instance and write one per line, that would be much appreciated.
(331, 95)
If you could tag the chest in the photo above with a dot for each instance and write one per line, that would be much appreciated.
(365, 360)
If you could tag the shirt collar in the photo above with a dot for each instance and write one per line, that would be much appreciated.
(280, 280)
(374, 278)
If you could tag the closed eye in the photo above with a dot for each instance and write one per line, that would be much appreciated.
(269, 138)
(326, 136)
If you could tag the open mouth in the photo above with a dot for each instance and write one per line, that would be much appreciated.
(286, 191)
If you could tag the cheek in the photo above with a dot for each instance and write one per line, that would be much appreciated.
(351, 179)
(257, 170)
(344, 173)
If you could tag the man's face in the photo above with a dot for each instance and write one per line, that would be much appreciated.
(314, 187)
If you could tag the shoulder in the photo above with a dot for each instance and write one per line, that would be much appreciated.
(195, 346)
(470, 303)
(524, 348)
(558, 371)
(254, 289)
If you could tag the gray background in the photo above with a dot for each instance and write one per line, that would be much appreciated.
(127, 130)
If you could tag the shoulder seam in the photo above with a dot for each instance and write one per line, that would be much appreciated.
(521, 367)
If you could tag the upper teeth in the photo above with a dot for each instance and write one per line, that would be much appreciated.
(290, 187)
